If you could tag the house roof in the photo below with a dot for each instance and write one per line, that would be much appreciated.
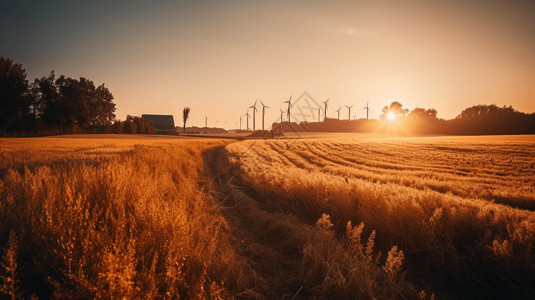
(160, 121)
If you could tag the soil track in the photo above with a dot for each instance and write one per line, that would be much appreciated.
(271, 241)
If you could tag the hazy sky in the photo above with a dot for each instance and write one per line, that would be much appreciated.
(219, 56)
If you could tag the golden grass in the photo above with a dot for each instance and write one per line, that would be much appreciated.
(460, 209)
(112, 219)
(130, 218)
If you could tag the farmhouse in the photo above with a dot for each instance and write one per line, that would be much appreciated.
(162, 123)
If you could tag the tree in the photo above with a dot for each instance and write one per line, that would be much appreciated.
(62, 103)
(117, 127)
(129, 125)
(47, 95)
(102, 106)
(491, 119)
(185, 115)
(396, 108)
(68, 102)
(143, 126)
(422, 113)
(14, 96)
(71, 103)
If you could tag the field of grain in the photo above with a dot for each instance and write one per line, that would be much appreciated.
(459, 208)
(334, 216)
(112, 218)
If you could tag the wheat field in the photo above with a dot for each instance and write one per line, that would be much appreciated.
(460, 208)
(106, 218)
(334, 216)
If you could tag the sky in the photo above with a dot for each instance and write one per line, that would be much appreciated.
(218, 57)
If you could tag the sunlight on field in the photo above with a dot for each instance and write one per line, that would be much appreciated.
(460, 208)
(101, 218)
(322, 215)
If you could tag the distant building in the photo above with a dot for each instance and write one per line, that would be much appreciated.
(161, 123)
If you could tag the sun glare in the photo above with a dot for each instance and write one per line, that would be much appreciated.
(390, 116)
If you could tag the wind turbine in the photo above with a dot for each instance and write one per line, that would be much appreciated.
(349, 113)
(282, 111)
(289, 106)
(338, 111)
(240, 122)
(325, 110)
(263, 111)
(248, 116)
(254, 114)
(367, 110)
(205, 121)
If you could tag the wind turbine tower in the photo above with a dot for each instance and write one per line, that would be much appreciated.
(325, 110)
(289, 106)
(281, 113)
(263, 111)
(367, 108)
(349, 112)
(248, 116)
(338, 111)
(205, 121)
(254, 114)
(240, 121)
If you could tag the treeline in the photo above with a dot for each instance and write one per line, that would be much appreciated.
(490, 119)
(475, 120)
(51, 105)
(132, 125)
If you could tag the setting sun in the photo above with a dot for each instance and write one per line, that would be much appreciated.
(391, 116)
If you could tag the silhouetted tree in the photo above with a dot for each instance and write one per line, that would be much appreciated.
(185, 115)
(129, 125)
(14, 96)
(117, 126)
(491, 119)
(422, 113)
(396, 108)
(133, 125)
(72, 103)
(47, 95)
(69, 105)
(143, 126)
(102, 106)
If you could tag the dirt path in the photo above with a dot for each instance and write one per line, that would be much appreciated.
(269, 240)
